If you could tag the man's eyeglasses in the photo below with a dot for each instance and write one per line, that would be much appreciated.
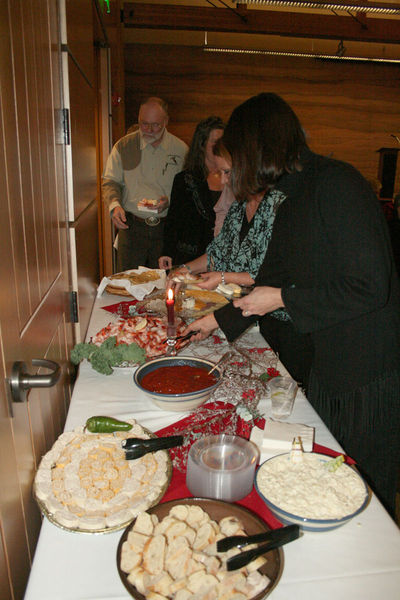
(152, 126)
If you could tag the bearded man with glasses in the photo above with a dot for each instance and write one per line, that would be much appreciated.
(137, 182)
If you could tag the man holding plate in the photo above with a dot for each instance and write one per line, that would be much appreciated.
(137, 183)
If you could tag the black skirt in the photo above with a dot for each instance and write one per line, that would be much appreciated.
(366, 423)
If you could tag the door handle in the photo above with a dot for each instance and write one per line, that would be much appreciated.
(21, 381)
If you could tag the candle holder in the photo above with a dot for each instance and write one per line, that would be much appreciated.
(171, 327)
(171, 340)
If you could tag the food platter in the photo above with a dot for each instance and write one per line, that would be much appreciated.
(148, 331)
(217, 510)
(190, 303)
(128, 282)
(117, 291)
(155, 493)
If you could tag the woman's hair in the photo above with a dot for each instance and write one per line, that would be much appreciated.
(220, 149)
(195, 158)
(264, 138)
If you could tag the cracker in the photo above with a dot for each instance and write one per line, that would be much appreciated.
(137, 278)
(207, 296)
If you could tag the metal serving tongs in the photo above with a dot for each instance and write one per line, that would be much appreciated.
(182, 338)
(137, 447)
(274, 539)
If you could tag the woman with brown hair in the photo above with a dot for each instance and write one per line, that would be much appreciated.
(196, 190)
(329, 265)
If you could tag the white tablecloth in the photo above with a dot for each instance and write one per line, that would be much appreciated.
(359, 561)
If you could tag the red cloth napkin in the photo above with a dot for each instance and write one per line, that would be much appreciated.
(217, 424)
(120, 308)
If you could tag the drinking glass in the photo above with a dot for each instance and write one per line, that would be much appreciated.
(283, 392)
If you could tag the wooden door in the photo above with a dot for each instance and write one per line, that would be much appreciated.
(34, 272)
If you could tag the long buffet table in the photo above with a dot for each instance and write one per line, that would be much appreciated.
(360, 560)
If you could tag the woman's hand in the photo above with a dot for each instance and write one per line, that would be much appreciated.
(209, 281)
(260, 301)
(180, 272)
(205, 326)
(164, 262)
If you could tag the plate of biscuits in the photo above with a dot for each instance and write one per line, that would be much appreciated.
(170, 551)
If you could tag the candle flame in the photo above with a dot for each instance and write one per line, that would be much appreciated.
(170, 294)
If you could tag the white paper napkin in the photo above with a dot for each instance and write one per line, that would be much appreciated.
(278, 435)
(137, 291)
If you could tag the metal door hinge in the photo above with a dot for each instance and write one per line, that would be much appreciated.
(62, 126)
(74, 307)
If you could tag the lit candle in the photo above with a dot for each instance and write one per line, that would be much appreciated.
(170, 307)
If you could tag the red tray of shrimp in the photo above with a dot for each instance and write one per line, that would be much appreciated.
(150, 333)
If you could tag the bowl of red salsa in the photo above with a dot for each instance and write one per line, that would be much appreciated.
(177, 383)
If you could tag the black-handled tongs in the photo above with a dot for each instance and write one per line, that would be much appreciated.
(274, 539)
(182, 338)
(137, 447)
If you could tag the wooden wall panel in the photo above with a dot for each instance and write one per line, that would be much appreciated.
(348, 110)
(80, 35)
(83, 139)
(114, 26)
(87, 260)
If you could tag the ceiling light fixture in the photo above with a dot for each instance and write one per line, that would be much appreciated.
(300, 54)
(365, 8)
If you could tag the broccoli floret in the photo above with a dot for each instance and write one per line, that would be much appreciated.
(107, 355)
(81, 351)
(109, 343)
(100, 362)
(133, 353)
(107, 348)
(117, 356)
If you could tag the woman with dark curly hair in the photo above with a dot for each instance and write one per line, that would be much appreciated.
(196, 190)
(329, 266)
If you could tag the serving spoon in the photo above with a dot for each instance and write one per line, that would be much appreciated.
(220, 361)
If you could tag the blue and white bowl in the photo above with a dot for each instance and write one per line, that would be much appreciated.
(177, 402)
(306, 523)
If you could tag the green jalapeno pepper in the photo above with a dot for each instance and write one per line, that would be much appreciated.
(101, 424)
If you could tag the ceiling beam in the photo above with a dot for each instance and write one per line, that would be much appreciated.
(267, 22)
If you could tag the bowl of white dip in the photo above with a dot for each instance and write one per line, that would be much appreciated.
(309, 493)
